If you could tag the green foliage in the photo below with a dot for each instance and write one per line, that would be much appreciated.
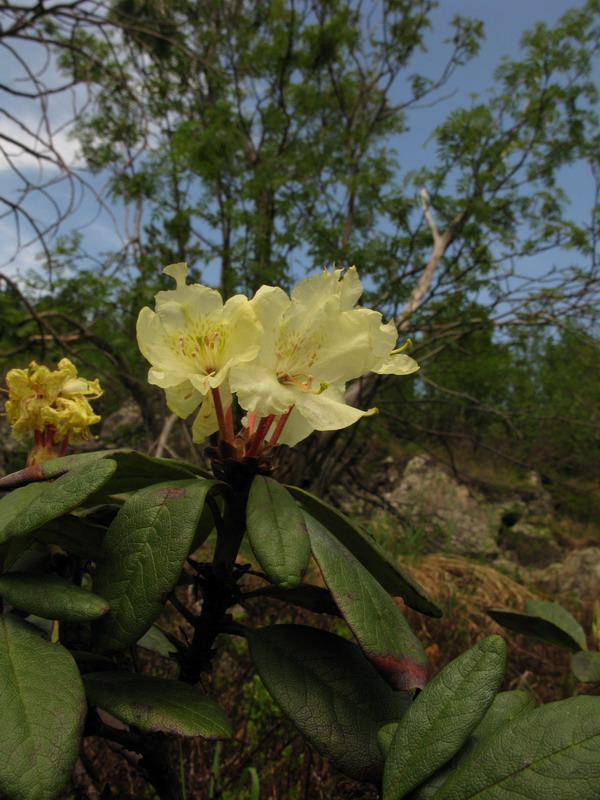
(277, 532)
(356, 703)
(443, 716)
(299, 664)
(373, 617)
(43, 712)
(157, 704)
(155, 526)
(553, 623)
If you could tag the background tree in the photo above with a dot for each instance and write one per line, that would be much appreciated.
(256, 140)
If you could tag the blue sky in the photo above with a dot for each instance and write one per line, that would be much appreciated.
(505, 21)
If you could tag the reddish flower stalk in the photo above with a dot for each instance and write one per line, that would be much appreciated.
(279, 427)
(259, 436)
(223, 427)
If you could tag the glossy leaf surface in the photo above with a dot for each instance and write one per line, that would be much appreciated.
(157, 704)
(43, 708)
(550, 753)
(11, 505)
(277, 532)
(143, 553)
(395, 579)
(330, 691)
(443, 716)
(137, 470)
(380, 628)
(52, 597)
(313, 598)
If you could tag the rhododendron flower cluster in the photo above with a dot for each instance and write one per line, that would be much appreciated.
(287, 358)
(53, 404)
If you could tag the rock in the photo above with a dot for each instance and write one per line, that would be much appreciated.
(454, 517)
(578, 574)
(532, 544)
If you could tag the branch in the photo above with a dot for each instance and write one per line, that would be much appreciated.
(441, 242)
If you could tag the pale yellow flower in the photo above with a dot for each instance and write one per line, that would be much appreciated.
(53, 403)
(313, 344)
(192, 341)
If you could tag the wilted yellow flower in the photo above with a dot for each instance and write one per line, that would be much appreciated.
(53, 404)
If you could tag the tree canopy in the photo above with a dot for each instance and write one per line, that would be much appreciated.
(259, 140)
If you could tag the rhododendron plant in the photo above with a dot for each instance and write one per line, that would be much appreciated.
(97, 544)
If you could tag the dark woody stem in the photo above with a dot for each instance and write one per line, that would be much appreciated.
(219, 589)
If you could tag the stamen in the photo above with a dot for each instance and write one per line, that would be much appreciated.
(407, 343)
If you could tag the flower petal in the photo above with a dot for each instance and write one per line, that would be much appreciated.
(328, 411)
(259, 391)
(399, 364)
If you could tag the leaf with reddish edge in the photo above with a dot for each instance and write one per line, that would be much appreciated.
(372, 615)
(394, 578)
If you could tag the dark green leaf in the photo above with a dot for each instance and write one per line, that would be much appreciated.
(59, 497)
(137, 470)
(73, 534)
(43, 708)
(560, 617)
(11, 505)
(277, 532)
(585, 666)
(381, 630)
(143, 553)
(549, 753)
(51, 597)
(443, 716)
(314, 598)
(130, 461)
(536, 626)
(157, 704)
(505, 706)
(396, 580)
(329, 690)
